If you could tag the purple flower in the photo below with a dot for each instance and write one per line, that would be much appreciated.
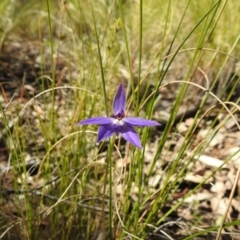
(119, 124)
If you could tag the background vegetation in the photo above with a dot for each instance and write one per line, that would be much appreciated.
(61, 62)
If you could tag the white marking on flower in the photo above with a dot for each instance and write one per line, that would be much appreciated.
(118, 122)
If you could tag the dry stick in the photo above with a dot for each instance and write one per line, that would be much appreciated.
(229, 204)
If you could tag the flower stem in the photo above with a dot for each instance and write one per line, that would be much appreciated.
(107, 233)
(110, 150)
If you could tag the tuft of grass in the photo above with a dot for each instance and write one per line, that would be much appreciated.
(175, 58)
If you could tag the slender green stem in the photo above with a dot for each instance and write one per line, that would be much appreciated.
(52, 66)
(127, 47)
(140, 167)
(103, 203)
(110, 150)
(100, 61)
(140, 54)
(108, 171)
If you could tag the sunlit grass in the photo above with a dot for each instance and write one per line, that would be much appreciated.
(188, 49)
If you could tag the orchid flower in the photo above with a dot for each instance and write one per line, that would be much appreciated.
(119, 123)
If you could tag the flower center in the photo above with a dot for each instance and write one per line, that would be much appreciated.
(118, 122)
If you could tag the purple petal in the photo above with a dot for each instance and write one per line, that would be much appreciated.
(129, 134)
(96, 120)
(140, 122)
(105, 131)
(119, 101)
